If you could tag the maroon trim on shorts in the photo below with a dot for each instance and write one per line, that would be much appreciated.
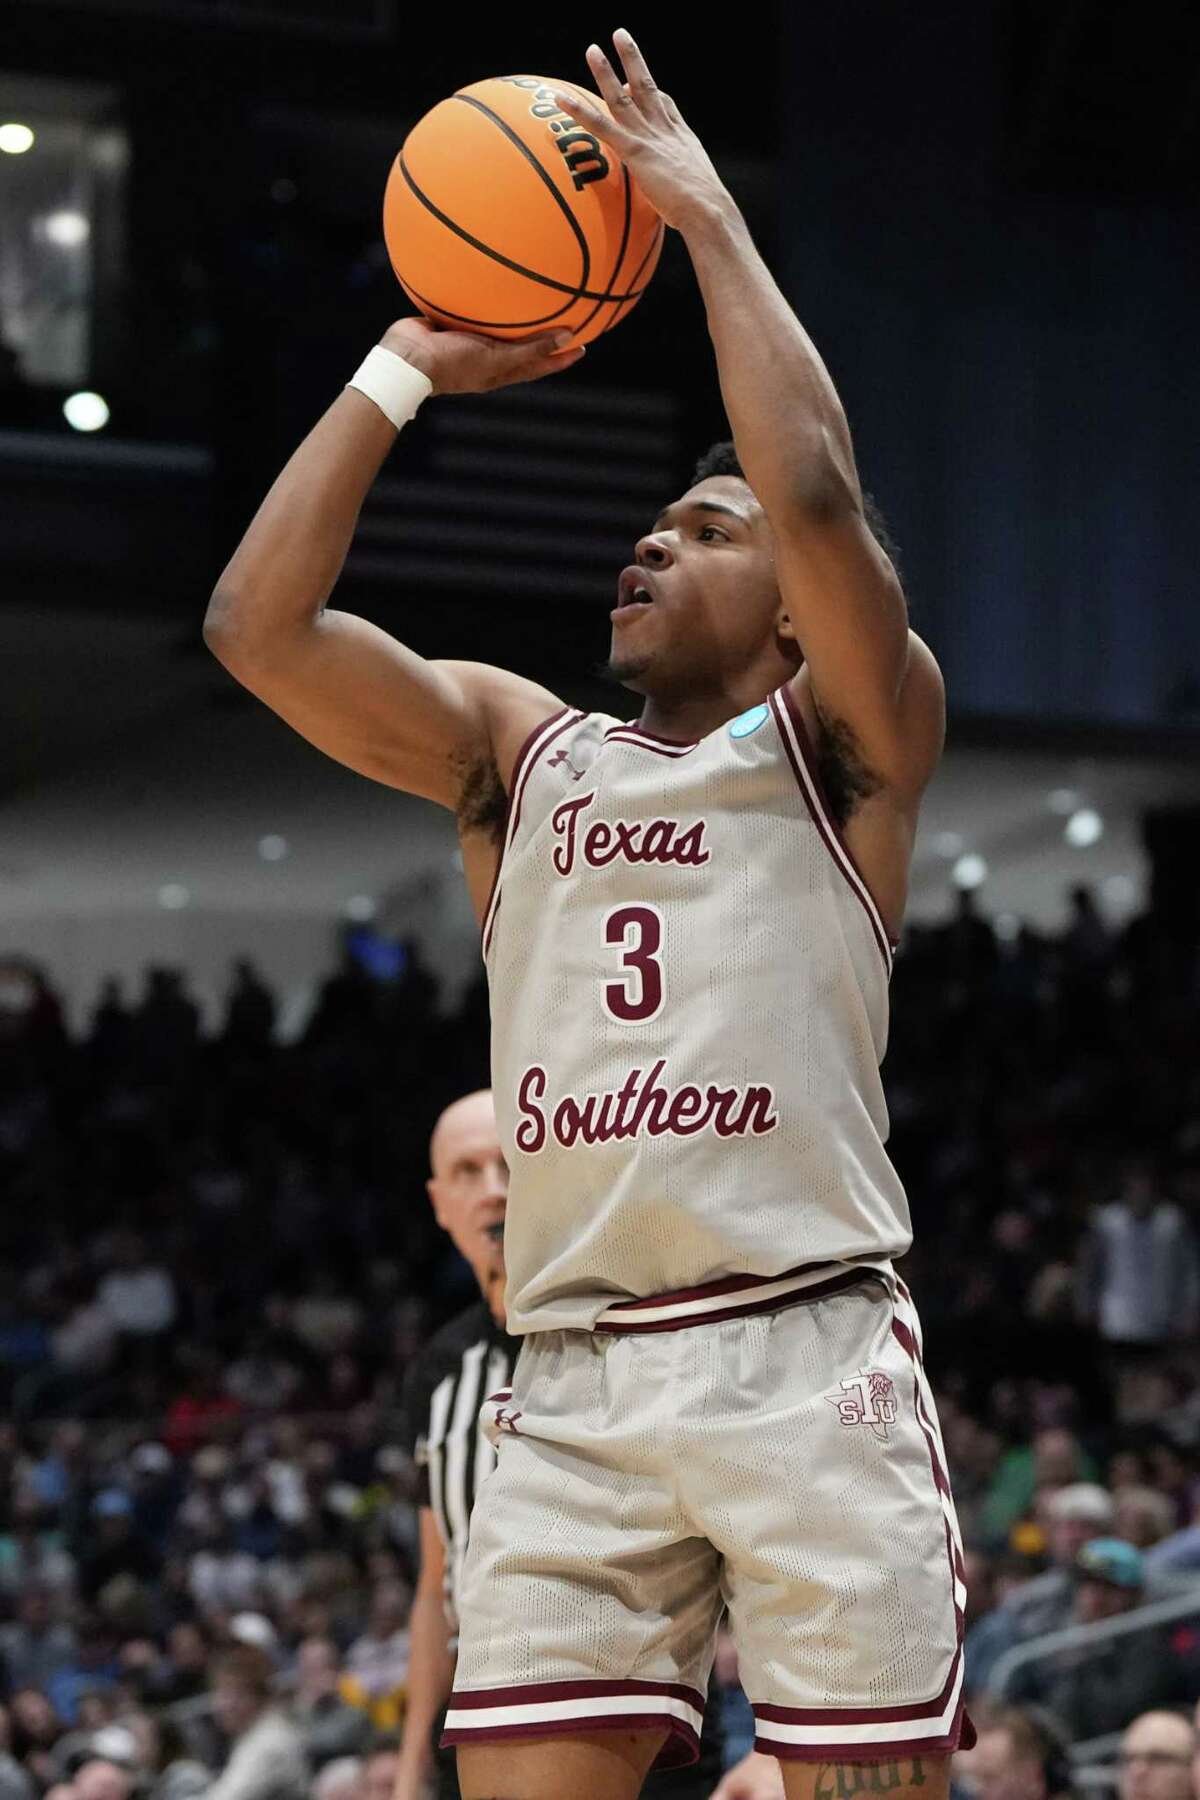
(863, 1715)
(816, 1290)
(822, 817)
(961, 1736)
(681, 1746)
(521, 770)
(963, 1729)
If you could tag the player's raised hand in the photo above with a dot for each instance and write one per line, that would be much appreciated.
(647, 131)
(462, 362)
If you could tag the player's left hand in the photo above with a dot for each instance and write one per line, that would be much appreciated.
(645, 128)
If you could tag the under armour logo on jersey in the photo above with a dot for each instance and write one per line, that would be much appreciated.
(868, 1398)
(559, 759)
(505, 1419)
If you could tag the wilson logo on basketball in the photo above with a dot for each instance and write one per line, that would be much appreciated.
(584, 156)
(868, 1398)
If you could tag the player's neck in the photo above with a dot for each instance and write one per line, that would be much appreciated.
(688, 720)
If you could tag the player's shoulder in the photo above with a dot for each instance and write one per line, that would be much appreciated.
(511, 707)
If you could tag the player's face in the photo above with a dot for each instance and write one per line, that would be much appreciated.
(700, 602)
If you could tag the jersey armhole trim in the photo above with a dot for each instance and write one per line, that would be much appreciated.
(538, 740)
(798, 747)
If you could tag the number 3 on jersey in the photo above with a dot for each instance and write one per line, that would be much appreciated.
(638, 995)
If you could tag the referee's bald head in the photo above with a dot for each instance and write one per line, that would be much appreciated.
(467, 1114)
(468, 1185)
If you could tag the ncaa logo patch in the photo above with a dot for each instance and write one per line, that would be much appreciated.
(750, 721)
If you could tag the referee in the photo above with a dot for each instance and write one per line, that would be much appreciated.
(462, 1364)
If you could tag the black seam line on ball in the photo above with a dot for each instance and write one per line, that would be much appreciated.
(487, 324)
(627, 306)
(559, 287)
(585, 249)
(616, 268)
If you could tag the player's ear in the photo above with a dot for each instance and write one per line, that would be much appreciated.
(784, 628)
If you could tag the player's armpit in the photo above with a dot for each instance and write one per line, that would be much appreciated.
(892, 743)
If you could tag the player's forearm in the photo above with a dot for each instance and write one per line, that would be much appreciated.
(430, 1679)
(287, 564)
(788, 424)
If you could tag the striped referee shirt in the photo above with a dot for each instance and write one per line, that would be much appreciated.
(462, 1364)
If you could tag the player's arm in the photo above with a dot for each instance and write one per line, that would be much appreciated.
(343, 683)
(431, 1666)
(874, 684)
(876, 687)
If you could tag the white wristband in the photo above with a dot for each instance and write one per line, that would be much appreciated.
(393, 384)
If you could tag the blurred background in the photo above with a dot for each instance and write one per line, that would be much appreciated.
(238, 982)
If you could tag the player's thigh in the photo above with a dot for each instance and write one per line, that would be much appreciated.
(602, 1765)
(829, 1503)
(899, 1777)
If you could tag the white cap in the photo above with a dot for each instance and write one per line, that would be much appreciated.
(1082, 1500)
(253, 1628)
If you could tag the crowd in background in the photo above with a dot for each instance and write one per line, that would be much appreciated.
(218, 1262)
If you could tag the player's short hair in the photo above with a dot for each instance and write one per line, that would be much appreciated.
(722, 459)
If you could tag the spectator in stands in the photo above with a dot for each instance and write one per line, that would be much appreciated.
(1155, 1758)
(1071, 1515)
(1020, 1754)
(330, 1727)
(377, 1662)
(1097, 1688)
(266, 1758)
(1053, 1459)
(1139, 1270)
(137, 1293)
(1142, 1516)
(379, 1771)
(36, 1645)
(99, 1779)
(340, 1779)
(14, 1782)
(116, 1546)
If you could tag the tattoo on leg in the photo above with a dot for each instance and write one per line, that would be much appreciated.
(843, 1781)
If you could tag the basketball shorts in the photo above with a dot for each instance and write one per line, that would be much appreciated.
(775, 1453)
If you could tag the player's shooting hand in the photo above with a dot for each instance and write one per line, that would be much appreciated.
(462, 362)
(647, 131)
(754, 1778)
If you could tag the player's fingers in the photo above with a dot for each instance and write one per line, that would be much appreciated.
(593, 118)
(607, 79)
(642, 84)
(531, 360)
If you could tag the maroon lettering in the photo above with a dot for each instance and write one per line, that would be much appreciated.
(643, 1105)
(531, 1132)
(633, 841)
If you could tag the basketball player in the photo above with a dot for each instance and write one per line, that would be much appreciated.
(463, 1363)
(688, 925)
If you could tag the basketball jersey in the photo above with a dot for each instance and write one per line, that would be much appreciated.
(689, 983)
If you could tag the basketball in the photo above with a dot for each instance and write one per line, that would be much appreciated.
(504, 217)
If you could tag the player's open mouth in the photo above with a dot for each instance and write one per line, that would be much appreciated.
(633, 590)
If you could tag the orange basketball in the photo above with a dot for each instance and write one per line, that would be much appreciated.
(503, 216)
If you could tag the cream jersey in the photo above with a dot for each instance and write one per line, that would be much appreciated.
(689, 990)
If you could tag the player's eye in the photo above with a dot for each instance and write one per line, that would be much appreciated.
(721, 537)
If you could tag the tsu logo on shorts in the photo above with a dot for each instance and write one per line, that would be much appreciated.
(868, 1398)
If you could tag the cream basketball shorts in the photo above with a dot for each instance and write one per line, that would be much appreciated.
(768, 1448)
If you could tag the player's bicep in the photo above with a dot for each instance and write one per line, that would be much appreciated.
(369, 702)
